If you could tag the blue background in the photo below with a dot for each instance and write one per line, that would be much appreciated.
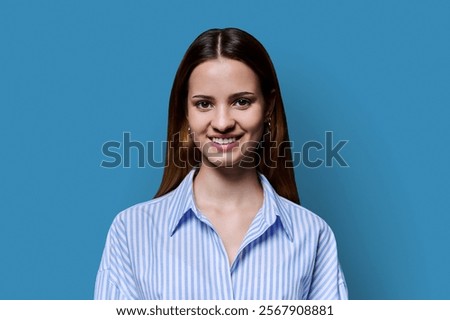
(75, 74)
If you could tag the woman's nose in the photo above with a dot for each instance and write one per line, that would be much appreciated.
(223, 120)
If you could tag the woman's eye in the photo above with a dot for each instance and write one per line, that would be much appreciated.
(203, 104)
(242, 102)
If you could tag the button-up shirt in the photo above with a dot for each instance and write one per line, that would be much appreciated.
(166, 249)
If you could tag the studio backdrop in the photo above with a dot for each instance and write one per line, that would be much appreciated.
(366, 88)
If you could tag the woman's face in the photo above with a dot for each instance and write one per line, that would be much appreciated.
(225, 112)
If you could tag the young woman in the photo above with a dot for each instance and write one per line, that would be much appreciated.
(226, 222)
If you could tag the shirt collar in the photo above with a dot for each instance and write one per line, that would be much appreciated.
(273, 205)
(183, 201)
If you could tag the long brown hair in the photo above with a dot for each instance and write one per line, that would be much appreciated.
(182, 156)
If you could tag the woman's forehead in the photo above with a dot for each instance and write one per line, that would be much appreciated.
(223, 75)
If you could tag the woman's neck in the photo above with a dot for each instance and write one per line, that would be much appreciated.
(227, 187)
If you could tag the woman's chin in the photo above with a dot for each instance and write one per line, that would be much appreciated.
(237, 162)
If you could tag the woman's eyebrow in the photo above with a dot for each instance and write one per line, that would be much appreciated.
(202, 96)
(240, 94)
(233, 96)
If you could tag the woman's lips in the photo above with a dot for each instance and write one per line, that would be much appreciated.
(224, 144)
(223, 141)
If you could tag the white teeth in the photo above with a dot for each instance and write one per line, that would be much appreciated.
(223, 141)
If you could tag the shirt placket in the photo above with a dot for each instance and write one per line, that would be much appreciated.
(225, 272)
(256, 230)
(258, 227)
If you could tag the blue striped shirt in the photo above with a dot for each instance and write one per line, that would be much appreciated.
(165, 249)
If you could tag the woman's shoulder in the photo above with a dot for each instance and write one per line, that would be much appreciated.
(146, 209)
(162, 208)
(303, 217)
(293, 214)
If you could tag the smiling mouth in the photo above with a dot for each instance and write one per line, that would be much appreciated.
(226, 140)
(223, 141)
